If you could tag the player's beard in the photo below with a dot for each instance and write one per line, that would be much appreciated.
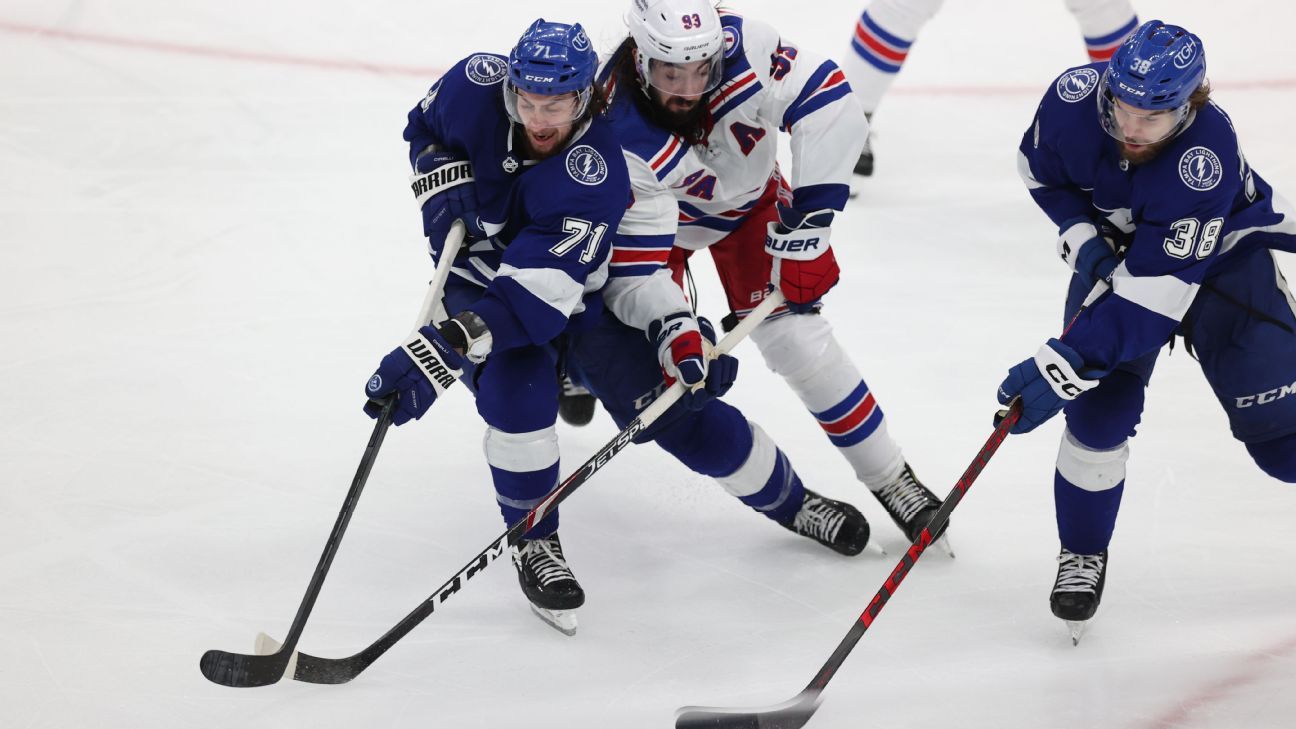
(555, 140)
(686, 117)
(1145, 152)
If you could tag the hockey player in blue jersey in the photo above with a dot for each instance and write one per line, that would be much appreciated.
(1168, 231)
(519, 150)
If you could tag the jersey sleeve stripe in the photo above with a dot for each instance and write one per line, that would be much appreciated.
(1165, 295)
(828, 84)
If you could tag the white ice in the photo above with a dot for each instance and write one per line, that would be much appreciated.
(208, 243)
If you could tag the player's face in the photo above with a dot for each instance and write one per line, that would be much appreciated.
(1140, 127)
(548, 121)
(684, 81)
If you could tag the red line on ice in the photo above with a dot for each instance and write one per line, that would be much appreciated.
(351, 65)
(1255, 667)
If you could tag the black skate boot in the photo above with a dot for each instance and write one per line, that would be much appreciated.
(548, 582)
(834, 524)
(1078, 589)
(864, 165)
(575, 403)
(910, 504)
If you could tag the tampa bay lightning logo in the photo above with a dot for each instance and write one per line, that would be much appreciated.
(485, 70)
(1077, 84)
(732, 41)
(1185, 55)
(586, 165)
(1200, 169)
(375, 383)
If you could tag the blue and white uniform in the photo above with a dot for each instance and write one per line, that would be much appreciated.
(1197, 225)
(550, 225)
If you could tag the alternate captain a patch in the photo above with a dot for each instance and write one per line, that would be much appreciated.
(586, 165)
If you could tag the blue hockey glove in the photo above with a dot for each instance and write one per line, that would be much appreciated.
(415, 373)
(443, 184)
(1046, 383)
(1090, 255)
(720, 376)
(804, 267)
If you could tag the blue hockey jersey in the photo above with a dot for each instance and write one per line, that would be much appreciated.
(550, 222)
(1183, 215)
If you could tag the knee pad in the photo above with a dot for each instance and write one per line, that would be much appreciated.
(1106, 416)
(903, 18)
(1088, 468)
(521, 452)
(1101, 17)
(802, 349)
(1276, 457)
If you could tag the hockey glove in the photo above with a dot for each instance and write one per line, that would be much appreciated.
(415, 373)
(720, 376)
(1046, 383)
(1090, 255)
(443, 185)
(804, 267)
(679, 348)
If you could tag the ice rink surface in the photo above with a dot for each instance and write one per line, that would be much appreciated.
(208, 244)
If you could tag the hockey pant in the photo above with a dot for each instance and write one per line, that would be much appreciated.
(803, 350)
(1242, 328)
(517, 397)
(887, 29)
(619, 366)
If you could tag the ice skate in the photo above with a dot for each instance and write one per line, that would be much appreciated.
(834, 524)
(548, 582)
(863, 165)
(575, 403)
(1078, 589)
(912, 506)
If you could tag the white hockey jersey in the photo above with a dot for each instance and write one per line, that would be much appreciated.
(694, 195)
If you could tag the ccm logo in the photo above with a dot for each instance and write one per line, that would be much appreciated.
(1266, 397)
(1069, 388)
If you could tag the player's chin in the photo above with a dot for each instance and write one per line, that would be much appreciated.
(1141, 153)
(544, 142)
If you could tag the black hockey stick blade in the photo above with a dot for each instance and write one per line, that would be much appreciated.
(791, 714)
(241, 670)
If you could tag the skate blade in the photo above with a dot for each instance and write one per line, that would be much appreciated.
(944, 545)
(564, 621)
(876, 547)
(1077, 628)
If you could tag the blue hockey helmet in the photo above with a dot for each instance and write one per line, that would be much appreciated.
(551, 59)
(1152, 74)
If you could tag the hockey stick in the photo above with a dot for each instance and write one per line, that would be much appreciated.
(313, 669)
(795, 712)
(240, 670)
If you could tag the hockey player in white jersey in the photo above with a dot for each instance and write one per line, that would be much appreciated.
(699, 96)
(886, 30)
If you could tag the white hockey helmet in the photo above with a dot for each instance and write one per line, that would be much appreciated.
(680, 45)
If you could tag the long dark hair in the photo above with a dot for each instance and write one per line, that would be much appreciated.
(693, 129)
